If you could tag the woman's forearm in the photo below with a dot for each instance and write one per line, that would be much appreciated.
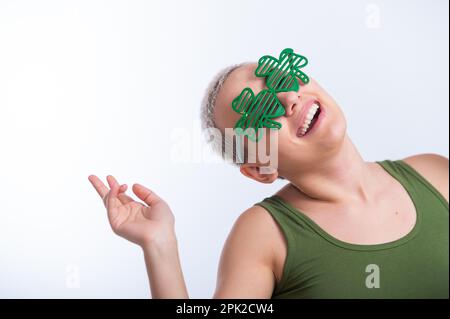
(164, 271)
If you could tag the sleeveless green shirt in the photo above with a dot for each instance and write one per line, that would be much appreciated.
(318, 265)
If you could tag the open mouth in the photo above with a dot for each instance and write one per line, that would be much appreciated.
(310, 120)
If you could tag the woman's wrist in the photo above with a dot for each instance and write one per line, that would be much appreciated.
(166, 246)
(164, 269)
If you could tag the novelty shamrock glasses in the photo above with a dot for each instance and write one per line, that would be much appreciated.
(259, 111)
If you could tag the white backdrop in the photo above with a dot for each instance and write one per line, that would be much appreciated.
(102, 87)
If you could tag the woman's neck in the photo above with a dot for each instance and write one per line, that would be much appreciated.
(341, 179)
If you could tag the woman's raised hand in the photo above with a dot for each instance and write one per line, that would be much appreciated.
(143, 224)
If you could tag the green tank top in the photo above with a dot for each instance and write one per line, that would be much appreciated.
(318, 265)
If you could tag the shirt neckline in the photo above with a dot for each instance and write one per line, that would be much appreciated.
(362, 247)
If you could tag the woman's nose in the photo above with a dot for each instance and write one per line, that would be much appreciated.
(289, 101)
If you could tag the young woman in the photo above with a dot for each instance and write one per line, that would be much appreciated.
(341, 228)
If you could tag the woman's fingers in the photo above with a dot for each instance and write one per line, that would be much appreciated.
(111, 181)
(145, 194)
(101, 189)
(104, 191)
(113, 202)
(125, 199)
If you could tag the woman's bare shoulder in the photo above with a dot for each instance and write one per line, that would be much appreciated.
(434, 168)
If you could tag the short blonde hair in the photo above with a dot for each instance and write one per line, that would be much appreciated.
(219, 146)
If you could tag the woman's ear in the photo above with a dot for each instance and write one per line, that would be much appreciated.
(260, 174)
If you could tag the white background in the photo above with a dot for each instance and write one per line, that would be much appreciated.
(99, 87)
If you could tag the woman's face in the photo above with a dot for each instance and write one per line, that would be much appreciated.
(296, 152)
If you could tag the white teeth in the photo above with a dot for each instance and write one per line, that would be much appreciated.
(312, 111)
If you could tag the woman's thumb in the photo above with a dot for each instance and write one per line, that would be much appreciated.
(145, 194)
